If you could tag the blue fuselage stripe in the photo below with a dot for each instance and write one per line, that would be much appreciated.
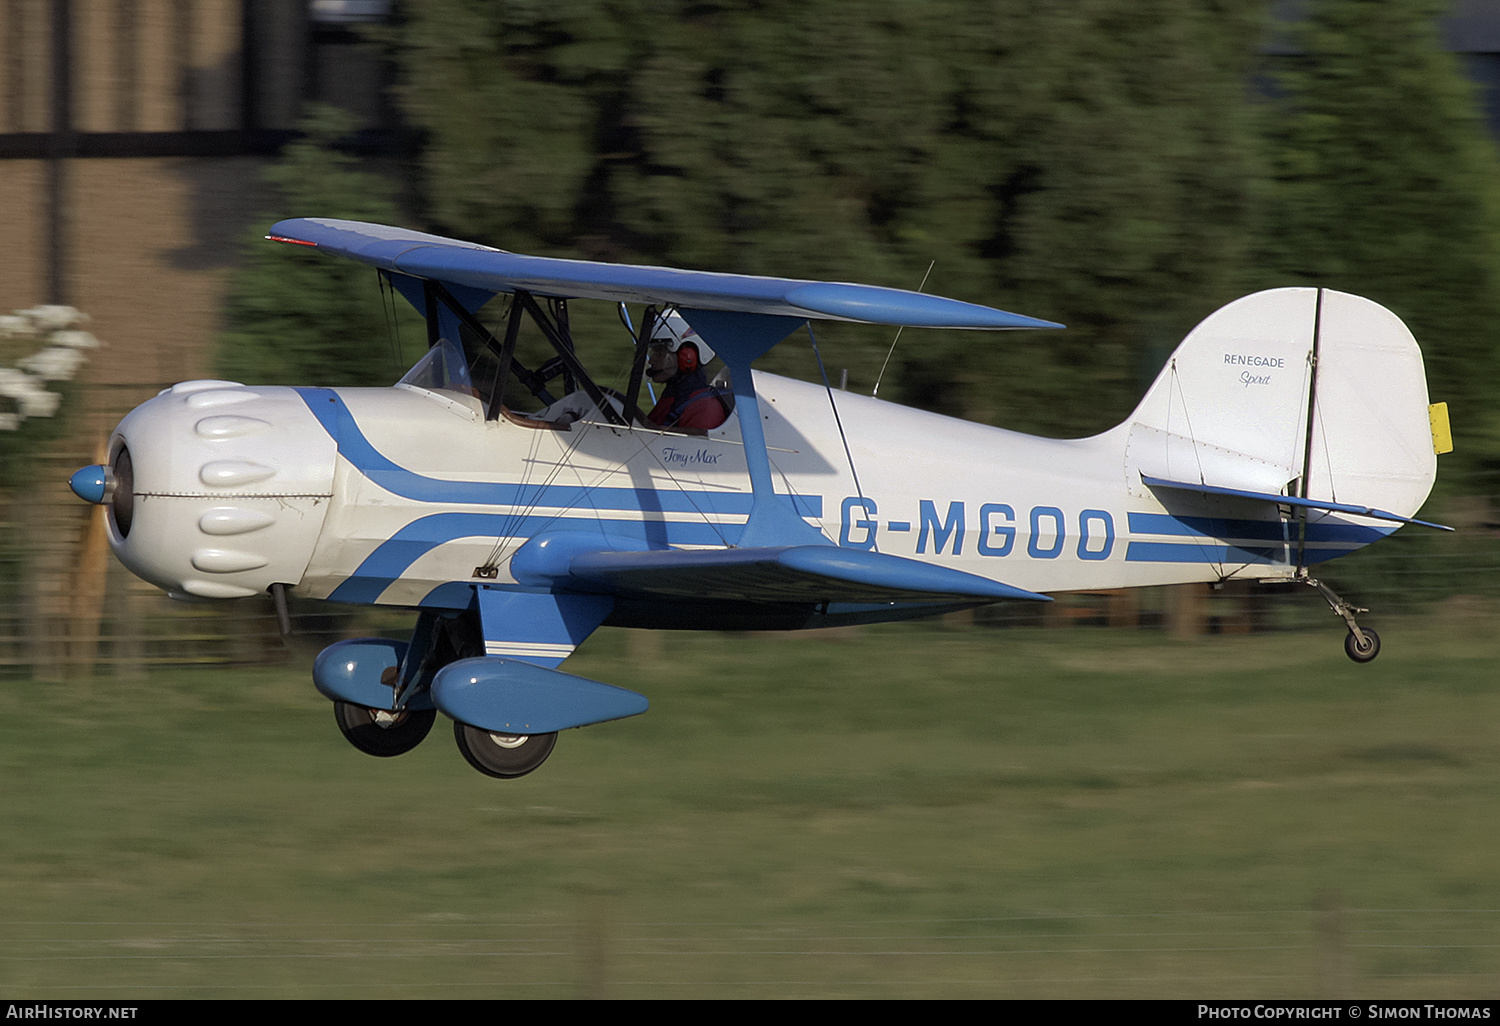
(1197, 552)
(369, 461)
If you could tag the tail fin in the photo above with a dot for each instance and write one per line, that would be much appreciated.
(1300, 392)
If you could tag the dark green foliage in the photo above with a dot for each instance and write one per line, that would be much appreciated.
(1384, 184)
(1105, 164)
(297, 317)
(1122, 198)
(1087, 162)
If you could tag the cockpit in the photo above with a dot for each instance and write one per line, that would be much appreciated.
(467, 361)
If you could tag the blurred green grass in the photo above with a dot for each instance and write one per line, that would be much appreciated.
(911, 810)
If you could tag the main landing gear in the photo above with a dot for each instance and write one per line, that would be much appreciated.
(1361, 644)
(385, 734)
(379, 707)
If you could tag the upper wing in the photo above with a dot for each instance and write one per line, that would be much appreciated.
(495, 270)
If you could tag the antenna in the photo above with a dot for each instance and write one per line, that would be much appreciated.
(883, 366)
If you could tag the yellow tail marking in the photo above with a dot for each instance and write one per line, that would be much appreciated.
(1442, 434)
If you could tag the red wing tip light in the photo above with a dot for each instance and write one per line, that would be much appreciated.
(294, 242)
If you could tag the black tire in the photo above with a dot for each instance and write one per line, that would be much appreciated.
(383, 734)
(1362, 653)
(502, 755)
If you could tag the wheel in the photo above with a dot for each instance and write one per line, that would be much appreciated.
(1362, 653)
(503, 755)
(381, 733)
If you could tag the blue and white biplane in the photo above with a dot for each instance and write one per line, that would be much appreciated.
(1289, 428)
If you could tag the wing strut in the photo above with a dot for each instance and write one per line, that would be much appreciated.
(638, 363)
(563, 345)
(515, 687)
(739, 338)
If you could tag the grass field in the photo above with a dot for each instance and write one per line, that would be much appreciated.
(902, 811)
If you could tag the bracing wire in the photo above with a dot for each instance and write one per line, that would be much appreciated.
(1181, 395)
(533, 492)
(837, 420)
(392, 318)
(899, 330)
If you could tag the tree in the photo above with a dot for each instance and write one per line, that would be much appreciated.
(1384, 184)
(1088, 162)
(297, 317)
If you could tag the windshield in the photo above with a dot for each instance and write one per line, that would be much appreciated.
(469, 360)
(469, 370)
(443, 368)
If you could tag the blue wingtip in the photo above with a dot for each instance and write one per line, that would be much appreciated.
(896, 306)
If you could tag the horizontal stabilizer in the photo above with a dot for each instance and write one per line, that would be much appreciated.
(506, 696)
(799, 574)
(1289, 500)
(495, 270)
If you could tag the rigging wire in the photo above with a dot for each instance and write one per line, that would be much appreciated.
(876, 391)
(837, 420)
(1181, 396)
(529, 496)
(538, 490)
(392, 319)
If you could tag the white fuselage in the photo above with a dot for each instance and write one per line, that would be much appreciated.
(392, 495)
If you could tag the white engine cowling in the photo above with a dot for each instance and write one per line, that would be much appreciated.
(216, 490)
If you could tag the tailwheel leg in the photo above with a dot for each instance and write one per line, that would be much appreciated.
(1362, 644)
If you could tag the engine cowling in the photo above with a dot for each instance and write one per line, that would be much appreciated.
(215, 490)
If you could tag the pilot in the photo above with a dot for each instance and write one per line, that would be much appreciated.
(675, 357)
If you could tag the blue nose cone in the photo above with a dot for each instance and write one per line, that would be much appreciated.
(90, 483)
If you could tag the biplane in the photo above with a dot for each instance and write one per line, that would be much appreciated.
(517, 508)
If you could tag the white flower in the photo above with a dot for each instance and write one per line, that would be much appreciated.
(16, 326)
(75, 339)
(14, 383)
(40, 403)
(61, 358)
(50, 317)
(54, 363)
(31, 398)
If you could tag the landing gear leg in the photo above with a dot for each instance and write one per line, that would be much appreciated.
(1362, 644)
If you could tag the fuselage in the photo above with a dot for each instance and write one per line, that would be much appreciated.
(408, 496)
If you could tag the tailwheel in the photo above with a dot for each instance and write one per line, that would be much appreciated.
(1361, 644)
(1362, 651)
(381, 732)
(503, 755)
